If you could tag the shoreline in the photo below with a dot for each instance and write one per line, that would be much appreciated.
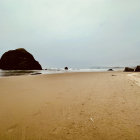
(60, 72)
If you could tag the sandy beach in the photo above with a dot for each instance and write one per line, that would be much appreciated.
(70, 106)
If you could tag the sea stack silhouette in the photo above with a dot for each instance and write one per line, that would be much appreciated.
(128, 69)
(66, 68)
(19, 59)
(137, 69)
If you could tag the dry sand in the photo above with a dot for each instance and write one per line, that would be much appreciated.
(70, 106)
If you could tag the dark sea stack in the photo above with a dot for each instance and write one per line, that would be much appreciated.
(66, 68)
(127, 69)
(19, 59)
(110, 70)
(137, 69)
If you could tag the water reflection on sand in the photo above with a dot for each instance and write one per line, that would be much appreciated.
(4, 73)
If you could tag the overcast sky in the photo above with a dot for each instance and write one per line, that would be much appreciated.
(74, 33)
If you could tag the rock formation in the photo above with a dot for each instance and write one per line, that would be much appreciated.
(127, 69)
(18, 59)
(66, 68)
(110, 70)
(137, 69)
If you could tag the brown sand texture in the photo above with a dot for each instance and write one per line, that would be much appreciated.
(70, 106)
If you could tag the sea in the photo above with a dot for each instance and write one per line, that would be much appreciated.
(6, 73)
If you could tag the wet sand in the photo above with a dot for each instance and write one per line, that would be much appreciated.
(70, 106)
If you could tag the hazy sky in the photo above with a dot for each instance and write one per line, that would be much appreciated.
(74, 33)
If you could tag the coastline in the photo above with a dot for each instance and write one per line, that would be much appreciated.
(9, 73)
(77, 105)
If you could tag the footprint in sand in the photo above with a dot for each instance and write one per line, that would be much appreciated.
(57, 130)
(47, 103)
(122, 111)
(37, 113)
(12, 128)
(82, 112)
(83, 104)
